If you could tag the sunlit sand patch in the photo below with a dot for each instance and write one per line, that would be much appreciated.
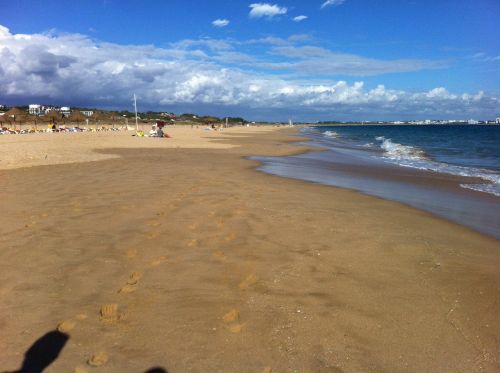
(267, 370)
(66, 325)
(154, 223)
(211, 214)
(249, 281)
(81, 316)
(98, 359)
(109, 312)
(220, 223)
(193, 226)
(231, 316)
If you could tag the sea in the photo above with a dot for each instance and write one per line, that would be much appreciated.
(452, 171)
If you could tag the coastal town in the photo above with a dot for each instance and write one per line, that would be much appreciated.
(32, 117)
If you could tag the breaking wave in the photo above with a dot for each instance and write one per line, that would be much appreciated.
(396, 151)
(331, 134)
(411, 156)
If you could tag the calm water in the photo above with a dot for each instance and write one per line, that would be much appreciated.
(451, 171)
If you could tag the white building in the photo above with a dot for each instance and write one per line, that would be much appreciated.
(497, 120)
(87, 113)
(472, 121)
(66, 111)
(35, 109)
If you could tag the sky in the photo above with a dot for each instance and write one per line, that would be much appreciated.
(308, 60)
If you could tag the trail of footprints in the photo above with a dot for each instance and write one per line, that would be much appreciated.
(110, 313)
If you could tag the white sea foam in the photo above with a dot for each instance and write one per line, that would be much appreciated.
(410, 156)
(396, 151)
(331, 134)
(486, 188)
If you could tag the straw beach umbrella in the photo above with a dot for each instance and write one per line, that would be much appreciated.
(77, 117)
(100, 116)
(15, 115)
(35, 119)
(53, 117)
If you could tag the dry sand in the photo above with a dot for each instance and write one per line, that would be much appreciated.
(177, 254)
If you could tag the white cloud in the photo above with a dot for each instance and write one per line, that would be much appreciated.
(331, 3)
(259, 10)
(299, 18)
(220, 22)
(74, 69)
(316, 60)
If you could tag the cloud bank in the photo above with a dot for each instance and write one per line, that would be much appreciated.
(210, 74)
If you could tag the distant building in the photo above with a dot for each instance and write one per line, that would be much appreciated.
(35, 109)
(87, 113)
(497, 120)
(66, 111)
(472, 121)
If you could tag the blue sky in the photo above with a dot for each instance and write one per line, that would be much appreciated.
(348, 60)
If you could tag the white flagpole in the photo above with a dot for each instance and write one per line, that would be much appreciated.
(135, 107)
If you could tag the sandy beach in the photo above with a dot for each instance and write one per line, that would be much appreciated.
(176, 253)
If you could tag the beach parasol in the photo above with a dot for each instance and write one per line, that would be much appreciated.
(77, 117)
(53, 116)
(100, 116)
(15, 115)
(35, 119)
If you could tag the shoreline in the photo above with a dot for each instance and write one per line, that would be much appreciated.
(389, 182)
(298, 275)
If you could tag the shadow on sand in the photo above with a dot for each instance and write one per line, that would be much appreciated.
(46, 350)
(43, 352)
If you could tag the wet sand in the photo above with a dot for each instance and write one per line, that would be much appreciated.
(191, 260)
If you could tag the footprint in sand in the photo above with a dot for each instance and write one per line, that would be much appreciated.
(131, 284)
(193, 243)
(230, 237)
(98, 359)
(152, 235)
(109, 313)
(156, 262)
(219, 255)
(232, 318)
(131, 253)
(249, 281)
(66, 325)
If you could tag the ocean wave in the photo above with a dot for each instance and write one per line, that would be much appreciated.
(411, 156)
(485, 188)
(396, 151)
(331, 134)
